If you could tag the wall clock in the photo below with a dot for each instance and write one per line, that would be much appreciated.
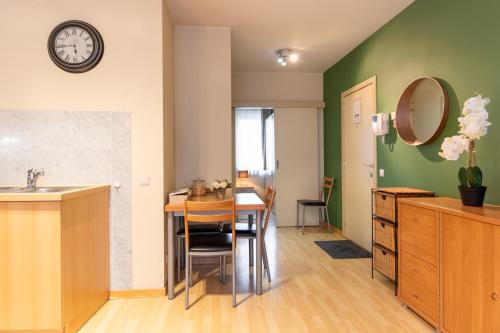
(75, 46)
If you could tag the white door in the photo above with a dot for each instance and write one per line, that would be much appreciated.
(358, 161)
(296, 149)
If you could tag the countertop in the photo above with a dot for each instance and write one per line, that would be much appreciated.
(487, 213)
(52, 196)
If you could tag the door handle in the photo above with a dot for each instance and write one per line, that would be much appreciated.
(277, 164)
(368, 165)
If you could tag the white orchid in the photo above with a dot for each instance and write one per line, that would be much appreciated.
(223, 184)
(453, 147)
(216, 185)
(473, 125)
(219, 184)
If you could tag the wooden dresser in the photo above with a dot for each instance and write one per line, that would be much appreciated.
(449, 260)
(384, 226)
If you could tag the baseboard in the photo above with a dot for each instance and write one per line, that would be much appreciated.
(137, 293)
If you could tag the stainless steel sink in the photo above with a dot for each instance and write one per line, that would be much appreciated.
(52, 189)
(38, 189)
(10, 189)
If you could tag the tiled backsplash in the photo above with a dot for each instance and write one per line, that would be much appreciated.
(75, 148)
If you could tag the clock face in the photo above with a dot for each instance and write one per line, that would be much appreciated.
(75, 46)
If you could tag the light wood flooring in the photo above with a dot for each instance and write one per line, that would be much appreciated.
(309, 292)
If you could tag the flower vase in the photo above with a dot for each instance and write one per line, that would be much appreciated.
(472, 196)
(221, 193)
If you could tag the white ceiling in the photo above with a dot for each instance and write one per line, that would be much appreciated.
(323, 30)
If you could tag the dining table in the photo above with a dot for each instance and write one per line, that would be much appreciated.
(244, 203)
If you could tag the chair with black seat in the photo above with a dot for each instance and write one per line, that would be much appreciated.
(212, 244)
(204, 228)
(249, 231)
(322, 203)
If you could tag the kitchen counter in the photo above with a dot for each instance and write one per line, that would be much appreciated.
(54, 250)
(69, 193)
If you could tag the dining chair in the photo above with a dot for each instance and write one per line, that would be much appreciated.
(204, 228)
(322, 203)
(245, 230)
(213, 244)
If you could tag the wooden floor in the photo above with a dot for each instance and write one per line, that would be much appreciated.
(310, 292)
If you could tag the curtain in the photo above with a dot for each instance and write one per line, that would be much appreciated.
(249, 140)
(269, 143)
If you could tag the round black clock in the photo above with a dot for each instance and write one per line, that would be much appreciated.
(75, 46)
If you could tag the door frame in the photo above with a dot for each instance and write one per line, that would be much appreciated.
(372, 81)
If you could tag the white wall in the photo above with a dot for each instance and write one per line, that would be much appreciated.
(129, 78)
(203, 142)
(277, 86)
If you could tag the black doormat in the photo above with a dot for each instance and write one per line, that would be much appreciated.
(343, 249)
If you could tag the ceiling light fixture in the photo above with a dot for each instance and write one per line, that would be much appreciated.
(285, 55)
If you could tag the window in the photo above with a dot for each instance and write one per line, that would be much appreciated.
(249, 140)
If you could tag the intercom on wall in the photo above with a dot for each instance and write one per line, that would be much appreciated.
(380, 123)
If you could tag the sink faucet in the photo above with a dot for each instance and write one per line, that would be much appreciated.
(33, 175)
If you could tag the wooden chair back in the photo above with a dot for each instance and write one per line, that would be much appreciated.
(197, 212)
(326, 189)
(268, 201)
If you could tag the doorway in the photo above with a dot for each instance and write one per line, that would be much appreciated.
(359, 151)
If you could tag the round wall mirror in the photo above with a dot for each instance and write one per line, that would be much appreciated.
(422, 111)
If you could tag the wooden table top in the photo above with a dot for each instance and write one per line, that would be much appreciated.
(244, 201)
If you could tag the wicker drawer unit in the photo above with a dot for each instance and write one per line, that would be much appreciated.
(385, 225)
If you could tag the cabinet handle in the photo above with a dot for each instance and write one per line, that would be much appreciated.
(382, 225)
(414, 243)
(416, 270)
(384, 196)
(494, 296)
(415, 219)
(415, 295)
(384, 253)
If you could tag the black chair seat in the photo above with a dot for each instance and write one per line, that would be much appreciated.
(308, 202)
(199, 229)
(242, 229)
(210, 242)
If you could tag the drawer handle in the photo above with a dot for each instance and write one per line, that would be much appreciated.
(384, 196)
(382, 225)
(416, 270)
(415, 219)
(415, 295)
(494, 296)
(415, 244)
(384, 253)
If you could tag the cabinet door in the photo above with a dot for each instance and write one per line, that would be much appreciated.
(469, 252)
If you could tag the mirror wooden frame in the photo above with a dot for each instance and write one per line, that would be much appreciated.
(403, 113)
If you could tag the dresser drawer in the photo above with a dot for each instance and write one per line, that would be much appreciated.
(419, 297)
(418, 229)
(418, 271)
(385, 205)
(384, 262)
(384, 234)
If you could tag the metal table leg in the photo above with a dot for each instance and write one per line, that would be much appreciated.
(171, 255)
(258, 259)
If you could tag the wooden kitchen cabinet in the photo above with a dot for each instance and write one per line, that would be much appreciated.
(450, 263)
(54, 259)
(470, 275)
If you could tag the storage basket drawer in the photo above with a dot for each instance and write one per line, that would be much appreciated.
(384, 234)
(384, 262)
(385, 206)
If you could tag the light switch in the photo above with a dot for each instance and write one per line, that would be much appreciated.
(144, 180)
(381, 173)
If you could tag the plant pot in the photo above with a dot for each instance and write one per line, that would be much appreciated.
(472, 196)
(221, 193)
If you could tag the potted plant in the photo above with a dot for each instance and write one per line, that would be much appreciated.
(219, 187)
(473, 125)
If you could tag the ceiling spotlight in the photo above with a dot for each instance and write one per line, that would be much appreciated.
(285, 55)
(294, 56)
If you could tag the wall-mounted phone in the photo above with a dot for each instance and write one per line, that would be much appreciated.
(380, 123)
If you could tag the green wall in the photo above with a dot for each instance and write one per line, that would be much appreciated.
(457, 41)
